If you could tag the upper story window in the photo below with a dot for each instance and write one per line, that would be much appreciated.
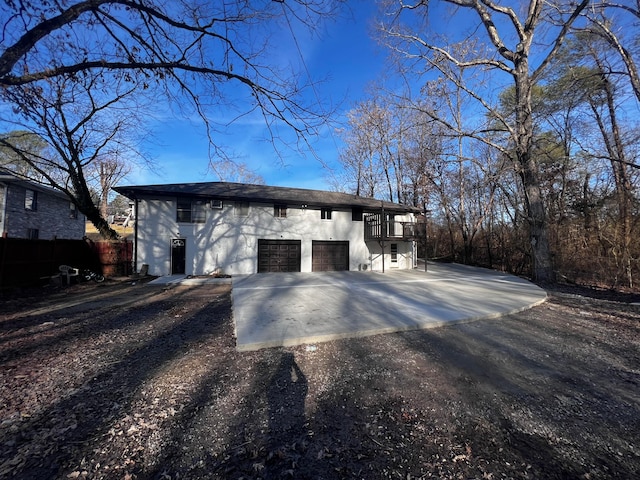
(30, 200)
(241, 209)
(73, 211)
(391, 225)
(356, 214)
(325, 214)
(280, 211)
(191, 211)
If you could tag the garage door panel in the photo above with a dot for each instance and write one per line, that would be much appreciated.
(279, 255)
(329, 256)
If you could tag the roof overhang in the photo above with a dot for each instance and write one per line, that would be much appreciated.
(264, 194)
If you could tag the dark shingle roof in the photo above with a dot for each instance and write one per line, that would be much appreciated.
(7, 176)
(263, 194)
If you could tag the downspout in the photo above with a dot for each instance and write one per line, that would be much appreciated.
(4, 187)
(135, 236)
(3, 231)
(382, 232)
(426, 236)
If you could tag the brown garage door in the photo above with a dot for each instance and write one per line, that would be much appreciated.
(278, 256)
(329, 256)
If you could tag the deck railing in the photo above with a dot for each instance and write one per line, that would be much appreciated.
(376, 229)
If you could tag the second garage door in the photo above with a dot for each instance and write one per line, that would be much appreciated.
(278, 256)
(329, 256)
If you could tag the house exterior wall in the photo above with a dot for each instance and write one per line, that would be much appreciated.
(404, 259)
(51, 217)
(228, 242)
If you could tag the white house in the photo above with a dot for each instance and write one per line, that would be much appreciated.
(234, 228)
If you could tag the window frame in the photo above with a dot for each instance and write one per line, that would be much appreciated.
(197, 211)
(241, 209)
(33, 233)
(31, 204)
(73, 211)
(393, 248)
(325, 213)
(280, 210)
(181, 210)
(391, 224)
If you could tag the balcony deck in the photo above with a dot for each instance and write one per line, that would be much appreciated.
(375, 229)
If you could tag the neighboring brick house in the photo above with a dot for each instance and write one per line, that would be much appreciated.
(201, 228)
(30, 210)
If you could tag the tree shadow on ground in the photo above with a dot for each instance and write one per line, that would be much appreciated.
(558, 409)
(46, 444)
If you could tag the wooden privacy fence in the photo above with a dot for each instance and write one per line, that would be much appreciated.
(30, 262)
(115, 257)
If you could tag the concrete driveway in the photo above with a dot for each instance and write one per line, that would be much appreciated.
(284, 309)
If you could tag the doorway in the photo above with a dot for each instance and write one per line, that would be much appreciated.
(178, 256)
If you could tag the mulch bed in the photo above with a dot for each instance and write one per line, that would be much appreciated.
(125, 380)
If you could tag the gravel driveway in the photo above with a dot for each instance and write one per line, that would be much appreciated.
(122, 381)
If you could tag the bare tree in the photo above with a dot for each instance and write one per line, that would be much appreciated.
(507, 50)
(87, 128)
(192, 47)
(604, 93)
(389, 146)
(229, 170)
(219, 56)
(361, 160)
(617, 22)
(109, 172)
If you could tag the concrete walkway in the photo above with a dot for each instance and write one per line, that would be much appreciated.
(179, 279)
(284, 309)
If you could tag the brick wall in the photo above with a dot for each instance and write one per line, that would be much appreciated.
(52, 216)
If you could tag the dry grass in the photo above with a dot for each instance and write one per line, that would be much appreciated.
(92, 232)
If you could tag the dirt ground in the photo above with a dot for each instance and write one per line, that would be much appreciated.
(125, 381)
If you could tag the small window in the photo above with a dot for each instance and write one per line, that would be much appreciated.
(216, 204)
(73, 211)
(31, 200)
(184, 210)
(241, 209)
(33, 233)
(280, 211)
(356, 214)
(198, 212)
(325, 214)
(391, 225)
(191, 211)
(394, 253)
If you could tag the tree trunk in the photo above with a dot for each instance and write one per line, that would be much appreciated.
(538, 224)
(542, 270)
(623, 183)
(85, 204)
(93, 215)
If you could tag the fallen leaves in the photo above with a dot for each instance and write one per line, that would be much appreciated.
(101, 391)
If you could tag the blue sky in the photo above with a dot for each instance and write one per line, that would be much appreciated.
(342, 54)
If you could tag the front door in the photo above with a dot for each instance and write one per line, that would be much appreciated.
(178, 256)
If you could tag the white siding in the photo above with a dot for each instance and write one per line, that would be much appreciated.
(230, 243)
